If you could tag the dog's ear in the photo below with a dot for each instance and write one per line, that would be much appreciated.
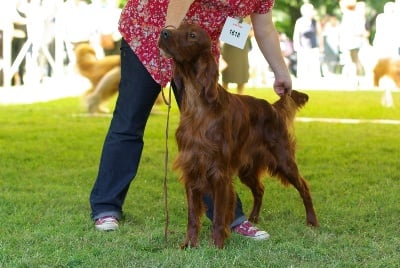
(178, 88)
(207, 77)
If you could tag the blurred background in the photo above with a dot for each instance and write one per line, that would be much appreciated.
(38, 38)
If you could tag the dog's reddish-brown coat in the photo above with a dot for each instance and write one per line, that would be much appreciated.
(222, 134)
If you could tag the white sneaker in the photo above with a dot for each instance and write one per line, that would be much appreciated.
(107, 223)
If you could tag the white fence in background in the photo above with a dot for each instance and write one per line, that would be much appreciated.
(36, 48)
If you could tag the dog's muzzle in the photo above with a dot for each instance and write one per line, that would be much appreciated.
(165, 36)
(165, 33)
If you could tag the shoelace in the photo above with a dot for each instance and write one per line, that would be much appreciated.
(247, 226)
(107, 219)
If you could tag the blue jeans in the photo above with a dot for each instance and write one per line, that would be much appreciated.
(123, 144)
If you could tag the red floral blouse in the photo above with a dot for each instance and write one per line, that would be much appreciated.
(141, 22)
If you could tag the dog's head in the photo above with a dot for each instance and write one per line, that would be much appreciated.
(85, 57)
(84, 49)
(189, 46)
(184, 44)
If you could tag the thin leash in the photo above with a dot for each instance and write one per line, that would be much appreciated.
(165, 184)
(168, 103)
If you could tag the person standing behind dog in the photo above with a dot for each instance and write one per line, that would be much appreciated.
(237, 69)
(237, 64)
(144, 71)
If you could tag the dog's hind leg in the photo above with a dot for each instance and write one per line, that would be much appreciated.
(288, 172)
(251, 178)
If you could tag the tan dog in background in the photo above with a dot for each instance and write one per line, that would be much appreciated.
(389, 68)
(104, 75)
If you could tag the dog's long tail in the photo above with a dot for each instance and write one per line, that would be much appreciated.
(288, 105)
(299, 98)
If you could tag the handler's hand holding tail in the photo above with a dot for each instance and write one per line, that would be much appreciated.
(282, 86)
(268, 42)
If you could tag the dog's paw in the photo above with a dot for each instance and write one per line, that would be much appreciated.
(188, 244)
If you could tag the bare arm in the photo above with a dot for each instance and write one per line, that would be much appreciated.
(176, 11)
(268, 41)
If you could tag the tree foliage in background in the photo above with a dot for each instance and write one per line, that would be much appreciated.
(122, 3)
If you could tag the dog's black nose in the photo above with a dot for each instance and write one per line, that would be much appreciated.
(165, 33)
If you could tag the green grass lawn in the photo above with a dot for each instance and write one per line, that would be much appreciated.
(49, 154)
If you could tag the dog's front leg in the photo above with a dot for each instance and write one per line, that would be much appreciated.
(224, 201)
(194, 200)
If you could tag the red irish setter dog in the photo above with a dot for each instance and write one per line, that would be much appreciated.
(222, 134)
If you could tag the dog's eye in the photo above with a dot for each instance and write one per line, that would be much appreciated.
(192, 35)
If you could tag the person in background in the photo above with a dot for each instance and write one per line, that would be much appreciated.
(20, 36)
(288, 53)
(352, 36)
(386, 23)
(108, 14)
(237, 65)
(331, 51)
(78, 28)
(144, 72)
(306, 43)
